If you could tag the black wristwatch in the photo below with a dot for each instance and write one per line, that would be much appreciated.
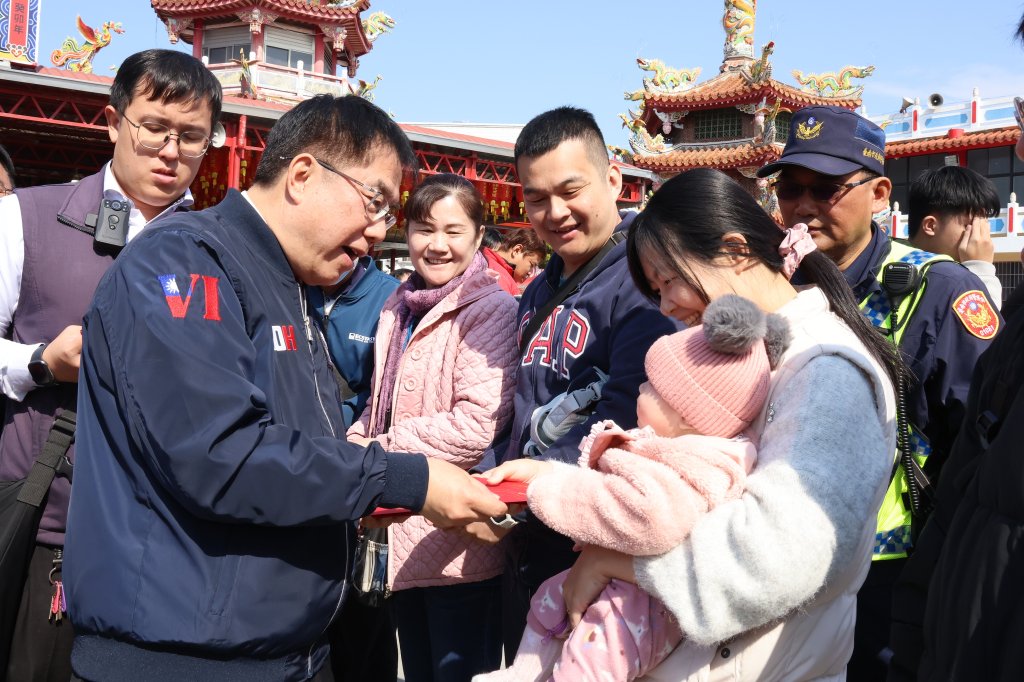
(39, 370)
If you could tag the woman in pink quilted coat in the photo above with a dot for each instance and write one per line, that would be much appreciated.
(445, 358)
(640, 491)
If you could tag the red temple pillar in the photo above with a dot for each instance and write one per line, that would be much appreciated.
(318, 52)
(236, 147)
(197, 40)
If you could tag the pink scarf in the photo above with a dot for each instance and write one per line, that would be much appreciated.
(415, 300)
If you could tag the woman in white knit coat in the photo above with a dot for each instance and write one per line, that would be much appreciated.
(765, 586)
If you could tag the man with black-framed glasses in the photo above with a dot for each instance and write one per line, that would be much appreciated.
(56, 243)
(939, 314)
(212, 531)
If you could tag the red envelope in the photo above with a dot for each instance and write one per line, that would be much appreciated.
(509, 492)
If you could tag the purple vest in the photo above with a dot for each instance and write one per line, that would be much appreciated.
(62, 270)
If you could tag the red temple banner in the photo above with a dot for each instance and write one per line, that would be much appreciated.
(19, 30)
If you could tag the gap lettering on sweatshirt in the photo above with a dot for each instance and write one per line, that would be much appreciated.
(572, 340)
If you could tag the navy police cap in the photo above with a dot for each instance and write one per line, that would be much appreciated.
(831, 141)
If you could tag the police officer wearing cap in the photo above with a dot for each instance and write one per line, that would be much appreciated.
(830, 177)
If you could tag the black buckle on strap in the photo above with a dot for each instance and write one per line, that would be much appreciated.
(988, 427)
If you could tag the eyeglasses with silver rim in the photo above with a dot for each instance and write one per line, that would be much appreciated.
(155, 136)
(377, 206)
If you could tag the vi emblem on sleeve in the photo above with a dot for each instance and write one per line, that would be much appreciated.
(179, 304)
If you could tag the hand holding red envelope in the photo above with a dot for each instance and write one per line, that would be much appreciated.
(509, 492)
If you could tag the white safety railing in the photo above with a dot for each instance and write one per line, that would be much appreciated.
(276, 81)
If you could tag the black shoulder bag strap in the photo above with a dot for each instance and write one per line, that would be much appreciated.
(51, 460)
(568, 287)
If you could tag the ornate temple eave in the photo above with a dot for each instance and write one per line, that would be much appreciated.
(731, 88)
(712, 155)
(299, 11)
(296, 8)
(936, 145)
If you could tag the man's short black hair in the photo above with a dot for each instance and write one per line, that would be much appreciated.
(7, 164)
(950, 191)
(492, 238)
(548, 130)
(168, 76)
(342, 130)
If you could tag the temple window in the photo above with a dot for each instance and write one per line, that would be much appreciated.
(1001, 166)
(288, 48)
(902, 171)
(719, 124)
(224, 44)
(782, 121)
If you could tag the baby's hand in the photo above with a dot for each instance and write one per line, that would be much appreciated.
(522, 470)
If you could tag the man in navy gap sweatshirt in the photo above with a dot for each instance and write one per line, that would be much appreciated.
(603, 328)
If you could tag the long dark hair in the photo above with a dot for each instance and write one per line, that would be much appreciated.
(691, 213)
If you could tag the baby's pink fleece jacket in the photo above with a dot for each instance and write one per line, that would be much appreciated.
(639, 493)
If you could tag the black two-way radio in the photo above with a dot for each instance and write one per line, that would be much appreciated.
(899, 280)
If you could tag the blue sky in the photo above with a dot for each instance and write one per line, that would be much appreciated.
(505, 61)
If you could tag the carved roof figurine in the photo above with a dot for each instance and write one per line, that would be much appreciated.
(761, 70)
(377, 24)
(620, 154)
(834, 84)
(764, 122)
(666, 79)
(670, 120)
(363, 89)
(641, 140)
(248, 86)
(75, 57)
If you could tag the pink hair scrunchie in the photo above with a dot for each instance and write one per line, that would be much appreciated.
(795, 245)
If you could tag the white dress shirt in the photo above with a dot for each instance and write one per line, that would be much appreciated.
(15, 381)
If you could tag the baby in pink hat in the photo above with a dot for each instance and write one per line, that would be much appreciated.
(640, 491)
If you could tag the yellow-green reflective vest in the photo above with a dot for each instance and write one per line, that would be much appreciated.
(892, 532)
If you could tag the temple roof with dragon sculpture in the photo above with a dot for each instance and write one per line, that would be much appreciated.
(737, 120)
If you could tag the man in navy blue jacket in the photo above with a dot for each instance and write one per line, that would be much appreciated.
(598, 334)
(349, 312)
(212, 526)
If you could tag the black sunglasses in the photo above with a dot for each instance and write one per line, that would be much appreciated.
(825, 192)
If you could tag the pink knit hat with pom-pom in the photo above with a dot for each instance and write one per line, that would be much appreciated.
(716, 375)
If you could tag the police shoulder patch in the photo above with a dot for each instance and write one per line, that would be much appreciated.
(976, 313)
